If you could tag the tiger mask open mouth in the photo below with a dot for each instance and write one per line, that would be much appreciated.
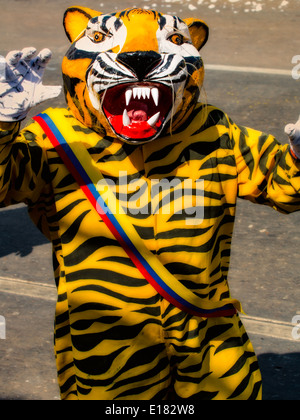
(137, 112)
(132, 72)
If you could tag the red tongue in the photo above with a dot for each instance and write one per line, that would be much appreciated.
(138, 128)
(138, 115)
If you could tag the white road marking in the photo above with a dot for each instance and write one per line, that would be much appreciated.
(268, 328)
(28, 288)
(257, 70)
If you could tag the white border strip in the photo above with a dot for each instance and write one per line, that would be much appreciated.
(257, 70)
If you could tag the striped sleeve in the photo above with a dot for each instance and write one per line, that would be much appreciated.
(267, 171)
(23, 166)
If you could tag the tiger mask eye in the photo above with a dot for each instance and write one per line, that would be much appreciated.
(177, 39)
(98, 37)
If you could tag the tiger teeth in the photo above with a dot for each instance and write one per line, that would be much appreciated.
(126, 119)
(155, 95)
(142, 92)
(128, 96)
(153, 120)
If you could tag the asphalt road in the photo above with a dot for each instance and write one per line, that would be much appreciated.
(265, 265)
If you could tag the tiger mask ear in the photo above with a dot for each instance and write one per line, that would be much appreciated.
(76, 19)
(199, 32)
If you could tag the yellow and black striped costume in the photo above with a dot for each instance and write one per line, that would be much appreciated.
(115, 337)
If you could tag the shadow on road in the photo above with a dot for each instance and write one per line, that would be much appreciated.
(281, 376)
(18, 235)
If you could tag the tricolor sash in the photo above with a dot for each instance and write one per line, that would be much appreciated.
(84, 170)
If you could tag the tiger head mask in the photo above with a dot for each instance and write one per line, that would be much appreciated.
(132, 74)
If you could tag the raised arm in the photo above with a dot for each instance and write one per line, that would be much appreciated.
(23, 166)
(21, 86)
(293, 131)
(268, 172)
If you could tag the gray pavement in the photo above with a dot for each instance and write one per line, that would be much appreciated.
(265, 262)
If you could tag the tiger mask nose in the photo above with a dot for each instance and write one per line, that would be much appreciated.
(141, 63)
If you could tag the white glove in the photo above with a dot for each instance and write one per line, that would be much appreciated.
(293, 131)
(21, 87)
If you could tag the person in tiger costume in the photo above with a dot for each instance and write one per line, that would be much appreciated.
(132, 82)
